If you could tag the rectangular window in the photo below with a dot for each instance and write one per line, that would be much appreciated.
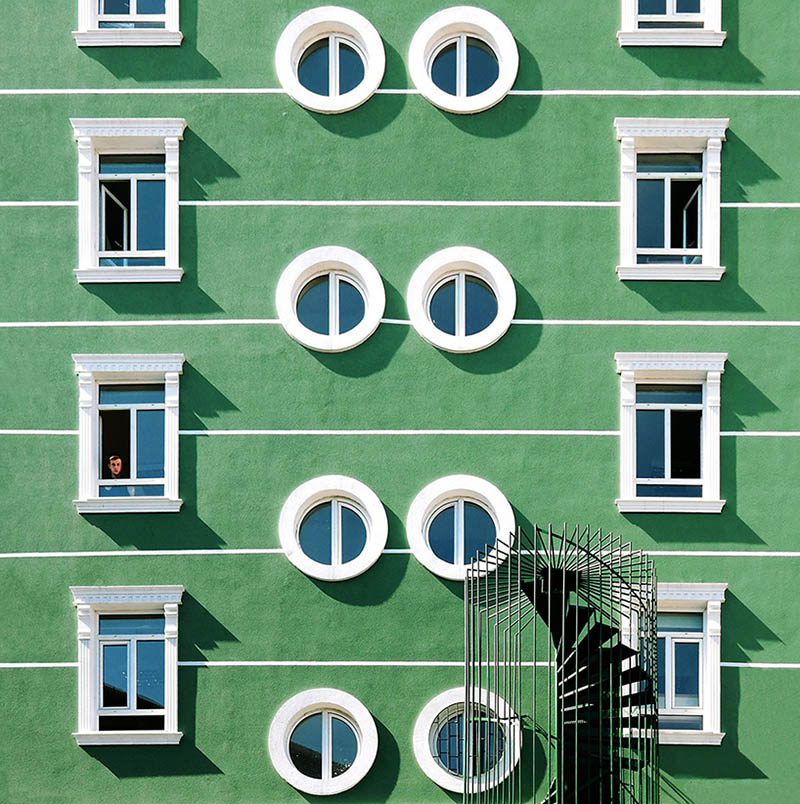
(669, 14)
(131, 13)
(670, 23)
(116, 23)
(680, 642)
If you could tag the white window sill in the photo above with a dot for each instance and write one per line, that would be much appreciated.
(128, 737)
(671, 37)
(669, 505)
(685, 273)
(128, 505)
(156, 273)
(681, 737)
(130, 37)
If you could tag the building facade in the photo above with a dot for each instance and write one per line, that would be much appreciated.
(326, 300)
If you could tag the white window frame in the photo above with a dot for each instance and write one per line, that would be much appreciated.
(90, 34)
(673, 368)
(96, 370)
(657, 135)
(91, 602)
(147, 136)
(705, 598)
(710, 35)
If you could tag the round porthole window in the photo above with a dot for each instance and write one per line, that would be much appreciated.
(323, 741)
(330, 59)
(333, 528)
(461, 299)
(463, 59)
(330, 299)
(457, 519)
(485, 746)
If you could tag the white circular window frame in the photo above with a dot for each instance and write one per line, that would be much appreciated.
(313, 25)
(448, 24)
(318, 262)
(446, 490)
(424, 741)
(448, 263)
(321, 490)
(310, 702)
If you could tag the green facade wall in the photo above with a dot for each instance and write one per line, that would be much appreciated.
(556, 373)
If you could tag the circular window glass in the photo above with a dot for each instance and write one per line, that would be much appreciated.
(330, 305)
(333, 533)
(331, 67)
(323, 745)
(461, 531)
(487, 741)
(463, 305)
(464, 67)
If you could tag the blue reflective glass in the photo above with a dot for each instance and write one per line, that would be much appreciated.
(481, 305)
(444, 69)
(351, 306)
(650, 213)
(131, 394)
(315, 534)
(482, 67)
(150, 216)
(672, 394)
(687, 673)
(668, 491)
(130, 262)
(681, 622)
(688, 6)
(151, 6)
(115, 675)
(150, 675)
(669, 163)
(652, 6)
(305, 746)
(662, 671)
(441, 534)
(649, 443)
(443, 307)
(488, 745)
(115, 6)
(132, 163)
(149, 443)
(313, 70)
(682, 722)
(354, 534)
(131, 491)
(313, 305)
(130, 624)
(667, 259)
(351, 69)
(480, 532)
(102, 24)
(344, 746)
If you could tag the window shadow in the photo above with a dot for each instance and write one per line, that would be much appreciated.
(201, 166)
(706, 62)
(160, 64)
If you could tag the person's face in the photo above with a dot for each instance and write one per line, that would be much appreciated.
(115, 465)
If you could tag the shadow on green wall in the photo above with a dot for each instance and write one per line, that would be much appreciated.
(160, 64)
(372, 588)
(201, 166)
(707, 62)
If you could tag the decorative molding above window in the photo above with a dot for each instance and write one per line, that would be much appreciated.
(665, 394)
(128, 189)
(670, 222)
(120, 23)
(671, 23)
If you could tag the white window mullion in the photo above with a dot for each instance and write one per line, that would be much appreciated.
(336, 533)
(458, 533)
(133, 458)
(132, 670)
(461, 305)
(327, 746)
(667, 443)
(667, 212)
(133, 234)
(461, 66)
(669, 658)
(333, 304)
(333, 65)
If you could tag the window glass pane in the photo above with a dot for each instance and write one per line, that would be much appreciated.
(151, 6)
(673, 394)
(305, 746)
(130, 624)
(115, 223)
(102, 24)
(316, 534)
(150, 443)
(115, 6)
(443, 69)
(685, 443)
(441, 534)
(115, 444)
(480, 532)
(132, 491)
(650, 213)
(111, 262)
(351, 68)
(672, 23)
(681, 622)
(685, 214)
(133, 723)
(351, 306)
(687, 674)
(482, 67)
(150, 675)
(649, 443)
(688, 6)
(662, 671)
(132, 163)
(669, 163)
(443, 307)
(344, 748)
(115, 675)
(652, 6)
(481, 305)
(354, 534)
(668, 491)
(151, 223)
(131, 394)
(449, 742)
(313, 305)
(313, 70)
(488, 741)
(682, 722)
